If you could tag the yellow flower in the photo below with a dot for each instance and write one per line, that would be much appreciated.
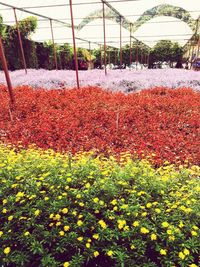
(37, 212)
(194, 233)
(193, 265)
(66, 228)
(157, 210)
(102, 224)
(58, 223)
(1, 233)
(69, 179)
(136, 223)
(80, 238)
(163, 252)
(10, 218)
(144, 214)
(61, 233)
(96, 254)
(5, 201)
(20, 194)
(7, 250)
(153, 237)
(66, 264)
(110, 253)
(27, 233)
(95, 236)
(96, 200)
(79, 223)
(171, 237)
(181, 225)
(87, 245)
(46, 198)
(65, 210)
(132, 247)
(144, 230)
(181, 255)
(81, 204)
(165, 224)
(4, 210)
(87, 185)
(169, 232)
(186, 251)
(113, 202)
(148, 205)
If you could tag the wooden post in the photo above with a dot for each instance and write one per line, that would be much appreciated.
(5, 68)
(20, 41)
(74, 44)
(54, 47)
(104, 33)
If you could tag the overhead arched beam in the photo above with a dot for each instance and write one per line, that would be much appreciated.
(165, 10)
(160, 10)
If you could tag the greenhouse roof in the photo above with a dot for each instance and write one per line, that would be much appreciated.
(150, 23)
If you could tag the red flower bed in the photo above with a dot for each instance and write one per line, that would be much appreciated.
(161, 121)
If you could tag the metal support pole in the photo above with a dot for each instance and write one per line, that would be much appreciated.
(54, 47)
(74, 44)
(120, 42)
(100, 56)
(137, 56)
(20, 41)
(130, 44)
(5, 68)
(104, 33)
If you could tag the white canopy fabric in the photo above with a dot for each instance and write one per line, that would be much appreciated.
(93, 31)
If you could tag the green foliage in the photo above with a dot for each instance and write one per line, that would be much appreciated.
(82, 210)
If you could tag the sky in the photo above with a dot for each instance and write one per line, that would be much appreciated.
(156, 29)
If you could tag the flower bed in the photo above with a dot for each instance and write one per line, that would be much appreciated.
(116, 80)
(82, 210)
(160, 123)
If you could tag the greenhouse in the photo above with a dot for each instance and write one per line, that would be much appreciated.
(99, 133)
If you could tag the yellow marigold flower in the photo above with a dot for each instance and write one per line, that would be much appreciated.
(95, 236)
(113, 202)
(96, 200)
(81, 204)
(65, 210)
(69, 179)
(57, 217)
(148, 205)
(87, 185)
(144, 214)
(1, 233)
(6, 250)
(169, 232)
(181, 255)
(61, 233)
(163, 252)
(10, 218)
(181, 225)
(58, 223)
(80, 238)
(20, 194)
(26, 233)
(96, 254)
(165, 224)
(144, 230)
(110, 253)
(157, 210)
(87, 245)
(5, 201)
(37, 212)
(80, 222)
(78, 196)
(132, 247)
(66, 264)
(194, 233)
(4, 210)
(171, 237)
(136, 223)
(193, 265)
(153, 237)
(186, 251)
(66, 228)
(51, 215)
(102, 224)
